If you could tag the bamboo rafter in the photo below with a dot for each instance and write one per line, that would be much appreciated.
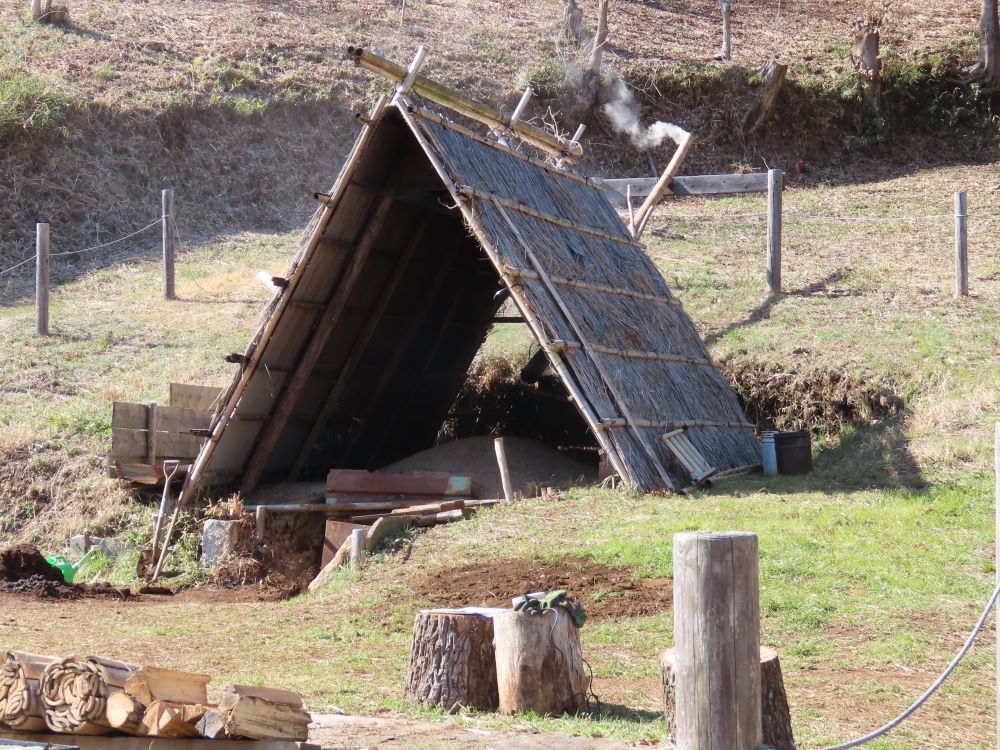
(634, 353)
(594, 287)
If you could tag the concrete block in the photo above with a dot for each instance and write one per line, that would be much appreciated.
(218, 539)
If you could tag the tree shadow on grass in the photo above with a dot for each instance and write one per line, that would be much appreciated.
(619, 712)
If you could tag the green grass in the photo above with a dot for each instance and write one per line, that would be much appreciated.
(30, 106)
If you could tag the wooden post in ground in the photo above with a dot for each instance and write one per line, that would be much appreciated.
(508, 491)
(261, 520)
(36, 9)
(169, 243)
(726, 47)
(42, 279)
(774, 183)
(358, 539)
(717, 641)
(996, 496)
(961, 247)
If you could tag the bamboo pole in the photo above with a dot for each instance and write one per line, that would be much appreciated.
(42, 279)
(470, 108)
(662, 185)
(726, 46)
(521, 106)
(961, 246)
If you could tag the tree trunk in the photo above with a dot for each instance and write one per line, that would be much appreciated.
(572, 21)
(987, 70)
(539, 663)
(452, 661)
(867, 59)
(773, 75)
(775, 715)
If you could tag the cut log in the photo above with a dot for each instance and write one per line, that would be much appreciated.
(125, 713)
(452, 661)
(74, 693)
(772, 79)
(193, 712)
(775, 714)
(539, 663)
(163, 719)
(154, 684)
(20, 701)
(212, 725)
(264, 714)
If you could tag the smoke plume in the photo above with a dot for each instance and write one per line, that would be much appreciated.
(623, 111)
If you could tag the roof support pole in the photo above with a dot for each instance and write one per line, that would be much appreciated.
(359, 349)
(662, 185)
(288, 398)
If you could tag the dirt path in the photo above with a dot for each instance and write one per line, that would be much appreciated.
(337, 732)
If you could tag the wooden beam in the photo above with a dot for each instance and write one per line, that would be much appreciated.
(706, 184)
(288, 398)
(360, 347)
(470, 108)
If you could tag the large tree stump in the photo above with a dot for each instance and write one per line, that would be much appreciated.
(775, 716)
(452, 661)
(539, 663)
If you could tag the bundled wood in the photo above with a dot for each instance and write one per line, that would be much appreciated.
(539, 663)
(775, 715)
(154, 684)
(163, 719)
(20, 701)
(452, 661)
(75, 693)
(124, 713)
(264, 713)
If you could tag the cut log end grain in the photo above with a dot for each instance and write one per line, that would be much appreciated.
(452, 661)
(775, 714)
(125, 713)
(162, 719)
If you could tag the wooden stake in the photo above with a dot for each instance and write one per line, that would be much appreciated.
(261, 521)
(358, 540)
(36, 9)
(42, 279)
(961, 247)
(508, 491)
(996, 496)
(169, 236)
(726, 48)
(717, 641)
(774, 186)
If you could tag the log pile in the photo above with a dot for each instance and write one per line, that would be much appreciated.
(99, 696)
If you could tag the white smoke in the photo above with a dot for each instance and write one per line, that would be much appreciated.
(623, 111)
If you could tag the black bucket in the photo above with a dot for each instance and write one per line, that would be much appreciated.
(794, 451)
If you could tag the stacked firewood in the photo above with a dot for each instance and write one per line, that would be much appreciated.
(96, 696)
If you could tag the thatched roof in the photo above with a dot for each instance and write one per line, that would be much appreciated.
(395, 287)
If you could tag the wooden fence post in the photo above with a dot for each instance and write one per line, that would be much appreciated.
(42, 279)
(996, 538)
(501, 451)
(717, 641)
(169, 238)
(36, 9)
(774, 186)
(961, 246)
(726, 47)
(359, 538)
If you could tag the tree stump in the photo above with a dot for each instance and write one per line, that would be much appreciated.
(539, 663)
(775, 716)
(452, 661)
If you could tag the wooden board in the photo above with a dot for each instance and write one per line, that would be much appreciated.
(337, 532)
(164, 743)
(132, 444)
(203, 397)
(359, 482)
(709, 184)
(168, 418)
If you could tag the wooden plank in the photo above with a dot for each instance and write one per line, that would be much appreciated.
(358, 481)
(289, 396)
(164, 743)
(132, 444)
(383, 527)
(168, 418)
(709, 184)
(335, 534)
(202, 397)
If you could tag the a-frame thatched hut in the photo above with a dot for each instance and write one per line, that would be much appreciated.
(363, 350)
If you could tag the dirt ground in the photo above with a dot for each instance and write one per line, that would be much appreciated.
(349, 732)
(532, 465)
(614, 592)
(24, 571)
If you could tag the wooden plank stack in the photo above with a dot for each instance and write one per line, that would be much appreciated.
(99, 696)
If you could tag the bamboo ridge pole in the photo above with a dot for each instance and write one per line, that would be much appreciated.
(470, 108)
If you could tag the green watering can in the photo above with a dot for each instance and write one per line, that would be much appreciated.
(67, 568)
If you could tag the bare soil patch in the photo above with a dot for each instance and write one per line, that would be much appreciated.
(606, 593)
(23, 570)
